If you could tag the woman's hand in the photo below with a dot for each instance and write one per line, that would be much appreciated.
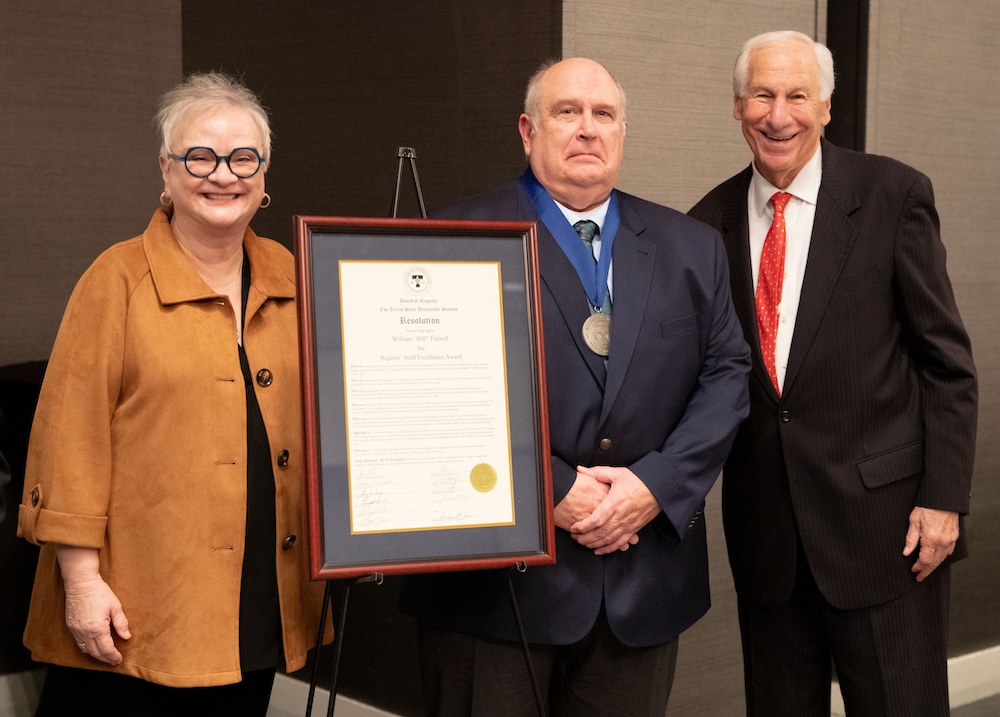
(92, 609)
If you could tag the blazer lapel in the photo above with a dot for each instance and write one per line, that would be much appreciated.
(633, 265)
(832, 239)
(736, 237)
(560, 278)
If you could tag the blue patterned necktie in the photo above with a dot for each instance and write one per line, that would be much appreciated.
(587, 231)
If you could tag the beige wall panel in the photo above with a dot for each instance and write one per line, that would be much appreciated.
(675, 61)
(78, 87)
(933, 96)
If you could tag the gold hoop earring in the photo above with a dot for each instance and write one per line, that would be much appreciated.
(266, 201)
(165, 200)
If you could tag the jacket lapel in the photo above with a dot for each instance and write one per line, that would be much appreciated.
(736, 236)
(174, 276)
(268, 273)
(633, 259)
(832, 239)
(561, 280)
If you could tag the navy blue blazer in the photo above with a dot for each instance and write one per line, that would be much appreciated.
(878, 409)
(670, 400)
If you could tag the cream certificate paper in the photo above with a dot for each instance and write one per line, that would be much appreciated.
(425, 387)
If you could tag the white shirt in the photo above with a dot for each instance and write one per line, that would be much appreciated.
(799, 215)
(597, 215)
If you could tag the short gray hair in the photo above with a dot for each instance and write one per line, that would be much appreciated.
(533, 95)
(824, 60)
(207, 90)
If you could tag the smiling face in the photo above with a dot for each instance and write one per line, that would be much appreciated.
(781, 113)
(576, 142)
(221, 203)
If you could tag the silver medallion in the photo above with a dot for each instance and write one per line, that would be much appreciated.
(597, 333)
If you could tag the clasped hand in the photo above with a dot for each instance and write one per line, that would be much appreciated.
(606, 508)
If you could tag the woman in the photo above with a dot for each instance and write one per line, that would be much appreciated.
(165, 471)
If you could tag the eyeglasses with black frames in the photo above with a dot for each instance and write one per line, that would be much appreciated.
(201, 162)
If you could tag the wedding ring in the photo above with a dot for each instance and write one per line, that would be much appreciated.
(81, 644)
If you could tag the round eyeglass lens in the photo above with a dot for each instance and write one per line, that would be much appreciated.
(202, 161)
(244, 163)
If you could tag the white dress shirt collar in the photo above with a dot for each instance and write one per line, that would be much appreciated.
(596, 215)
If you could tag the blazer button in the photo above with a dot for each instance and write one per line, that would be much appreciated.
(283, 459)
(288, 542)
(605, 444)
(786, 416)
(264, 377)
(34, 497)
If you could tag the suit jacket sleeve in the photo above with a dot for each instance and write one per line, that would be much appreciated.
(939, 348)
(681, 473)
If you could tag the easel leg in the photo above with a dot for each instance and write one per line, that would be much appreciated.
(327, 598)
(338, 639)
(409, 153)
(524, 644)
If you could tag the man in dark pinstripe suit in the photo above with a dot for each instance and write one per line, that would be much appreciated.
(843, 493)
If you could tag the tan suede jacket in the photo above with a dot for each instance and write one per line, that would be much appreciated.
(138, 448)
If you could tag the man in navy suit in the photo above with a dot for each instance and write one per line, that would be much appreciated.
(843, 491)
(639, 428)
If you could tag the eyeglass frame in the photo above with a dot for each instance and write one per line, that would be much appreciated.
(218, 161)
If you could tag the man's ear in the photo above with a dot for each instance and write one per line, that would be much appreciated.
(526, 131)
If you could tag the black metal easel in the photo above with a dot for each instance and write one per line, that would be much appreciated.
(404, 153)
(377, 578)
(520, 568)
(338, 638)
(409, 153)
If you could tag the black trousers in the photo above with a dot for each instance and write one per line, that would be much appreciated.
(890, 659)
(466, 676)
(72, 691)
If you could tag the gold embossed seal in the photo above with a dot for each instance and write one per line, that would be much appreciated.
(483, 477)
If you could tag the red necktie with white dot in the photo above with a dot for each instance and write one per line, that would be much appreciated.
(770, 275)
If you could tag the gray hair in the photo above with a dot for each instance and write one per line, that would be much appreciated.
(202, 91)
(533, 95)
(824, 60)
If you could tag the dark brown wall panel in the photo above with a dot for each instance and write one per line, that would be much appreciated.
(348, 83)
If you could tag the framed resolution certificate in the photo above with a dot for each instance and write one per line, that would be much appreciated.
(424, 398)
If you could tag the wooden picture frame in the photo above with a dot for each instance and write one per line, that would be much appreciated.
(423, 383)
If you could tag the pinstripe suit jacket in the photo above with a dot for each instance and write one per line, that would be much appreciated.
(878, 409)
